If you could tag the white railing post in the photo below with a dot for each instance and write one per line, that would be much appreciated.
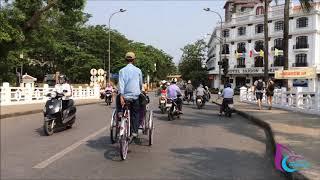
(283, 96)
(88, 92)
(28, 93)
(97, 91)
(299, 97)
(79, 92)
(243, 93)
(6, 93)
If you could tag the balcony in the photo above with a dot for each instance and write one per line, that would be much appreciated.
(240, 66)
(301, 46)
(300, 65)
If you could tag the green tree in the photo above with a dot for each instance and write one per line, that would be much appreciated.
(193, 57)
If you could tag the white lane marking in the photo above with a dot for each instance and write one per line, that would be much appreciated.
(70, 148)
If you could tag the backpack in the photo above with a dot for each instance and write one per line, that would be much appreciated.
(259, 85)
(271, 86)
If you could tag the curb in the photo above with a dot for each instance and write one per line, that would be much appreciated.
(34, 111)
(270, 136)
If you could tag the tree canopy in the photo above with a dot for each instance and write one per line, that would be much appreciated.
(53, 35)
(192, 60)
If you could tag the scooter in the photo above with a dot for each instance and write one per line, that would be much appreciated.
(172, 109)
(200, 102)
(55, 117)
(163, 102)
(108, 97)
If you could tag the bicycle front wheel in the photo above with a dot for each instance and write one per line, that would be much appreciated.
(124, 144)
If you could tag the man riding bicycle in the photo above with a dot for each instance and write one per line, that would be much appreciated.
(130, 86)
(173, 91)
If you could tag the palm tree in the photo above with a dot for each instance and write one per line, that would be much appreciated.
(306, 6)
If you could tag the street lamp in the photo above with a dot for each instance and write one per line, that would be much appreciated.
(220, 52)
(120, 11)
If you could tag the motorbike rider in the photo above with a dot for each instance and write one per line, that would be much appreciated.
(173, 91)
(201, 92)
(63, 87)
(227, 95)
(130, 86)
(163, 90)
(109, 89)
(189, 91)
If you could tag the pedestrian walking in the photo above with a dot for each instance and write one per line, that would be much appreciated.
(270, 92)
(259, 87)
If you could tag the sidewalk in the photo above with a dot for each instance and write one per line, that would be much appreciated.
(23, 109)
(300, 132)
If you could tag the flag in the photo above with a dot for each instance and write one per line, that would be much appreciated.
(250, 53)
(278, 52)
(244, 55)
(261, 53)
(237, 54)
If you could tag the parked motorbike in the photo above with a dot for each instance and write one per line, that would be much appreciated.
(54, 116)
(108, 97)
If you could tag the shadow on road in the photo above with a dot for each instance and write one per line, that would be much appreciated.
(223, 164)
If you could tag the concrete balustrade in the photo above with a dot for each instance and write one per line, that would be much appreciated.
(29, 95)
(297, 100)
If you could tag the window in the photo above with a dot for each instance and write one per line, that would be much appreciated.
(301, 60)
(226, 33)
(258, 45)
(241, 47)
(225, 49)
(241, 62)
(302, 22)
(278, 61)
(241, 31)
(259, 10)
(259, 28)
(278, 26)
(278, 43)
(258, 61)
(301, 42)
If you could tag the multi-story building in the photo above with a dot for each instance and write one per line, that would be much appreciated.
(243, 40)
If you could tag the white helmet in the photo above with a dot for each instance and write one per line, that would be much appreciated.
(174, 80)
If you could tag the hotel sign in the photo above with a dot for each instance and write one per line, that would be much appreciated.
(299, 73)
(254, 70)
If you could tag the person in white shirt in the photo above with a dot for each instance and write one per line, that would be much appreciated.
(227, 95)
(64, 88)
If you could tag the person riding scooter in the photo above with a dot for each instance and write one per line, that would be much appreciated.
(201, 93)
(227, 95)
(189, 91)
(64, 88)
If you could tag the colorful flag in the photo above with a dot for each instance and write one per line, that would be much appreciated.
(244, 55)
(250, 53)
(261, 53)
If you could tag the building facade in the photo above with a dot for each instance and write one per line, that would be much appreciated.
(243, 43)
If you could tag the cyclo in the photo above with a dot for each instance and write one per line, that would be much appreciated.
(120, 127)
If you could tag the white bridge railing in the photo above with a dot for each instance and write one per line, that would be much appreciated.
(297, 100)
(28, 95)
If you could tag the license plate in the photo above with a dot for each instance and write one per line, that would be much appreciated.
(162, 102)
(231, 106)
(198, 100)
(168, 105)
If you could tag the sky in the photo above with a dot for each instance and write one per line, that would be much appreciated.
(168, 25)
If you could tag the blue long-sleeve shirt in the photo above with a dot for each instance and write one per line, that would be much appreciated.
(130, 82)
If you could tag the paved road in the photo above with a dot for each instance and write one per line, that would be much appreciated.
(200, 145)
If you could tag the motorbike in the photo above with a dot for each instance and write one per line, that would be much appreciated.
(228, 110)
(54, 116)
(200, 102)
(163, 102)
(108, 97)
(172, 109)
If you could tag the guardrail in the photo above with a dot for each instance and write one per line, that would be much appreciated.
(28, 95)
(297, 100)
